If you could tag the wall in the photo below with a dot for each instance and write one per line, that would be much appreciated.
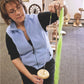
(46, 4)
(83, 8)
(73, 7)
(1, 20)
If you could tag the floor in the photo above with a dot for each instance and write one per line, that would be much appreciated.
(72, 59)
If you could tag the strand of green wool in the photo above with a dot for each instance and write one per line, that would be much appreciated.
(59, 47)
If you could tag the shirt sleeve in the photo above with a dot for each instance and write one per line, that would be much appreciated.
(12, 50)
(44, 18)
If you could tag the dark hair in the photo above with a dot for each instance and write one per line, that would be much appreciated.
(4, 13)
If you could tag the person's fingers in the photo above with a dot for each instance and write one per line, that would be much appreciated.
(35, 79)
(56, 5)
(60, 5)
(51, 7)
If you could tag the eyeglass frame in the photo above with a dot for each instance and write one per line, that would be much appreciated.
(18, 7)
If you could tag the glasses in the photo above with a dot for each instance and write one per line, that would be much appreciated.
(12, 11)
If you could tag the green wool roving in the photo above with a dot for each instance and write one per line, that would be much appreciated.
(59, 47)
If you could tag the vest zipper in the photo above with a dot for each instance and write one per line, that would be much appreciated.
(35, 55)
(34, 52)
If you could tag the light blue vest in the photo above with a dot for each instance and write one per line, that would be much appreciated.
(39, 38)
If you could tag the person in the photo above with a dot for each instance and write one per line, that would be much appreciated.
(27, 39)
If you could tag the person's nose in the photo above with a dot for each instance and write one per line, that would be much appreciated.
(17, 12)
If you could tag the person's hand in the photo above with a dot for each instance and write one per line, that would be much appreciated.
(56, 5)
(36, 80)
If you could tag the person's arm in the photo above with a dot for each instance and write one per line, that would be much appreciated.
(12, 50)
(54, 8)
(44, 18)
(20, 66)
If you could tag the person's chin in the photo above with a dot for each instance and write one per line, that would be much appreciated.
(20, 20)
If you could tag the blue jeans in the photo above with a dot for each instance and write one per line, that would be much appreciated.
(50, 66)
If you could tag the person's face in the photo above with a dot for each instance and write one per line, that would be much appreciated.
(15, 12)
